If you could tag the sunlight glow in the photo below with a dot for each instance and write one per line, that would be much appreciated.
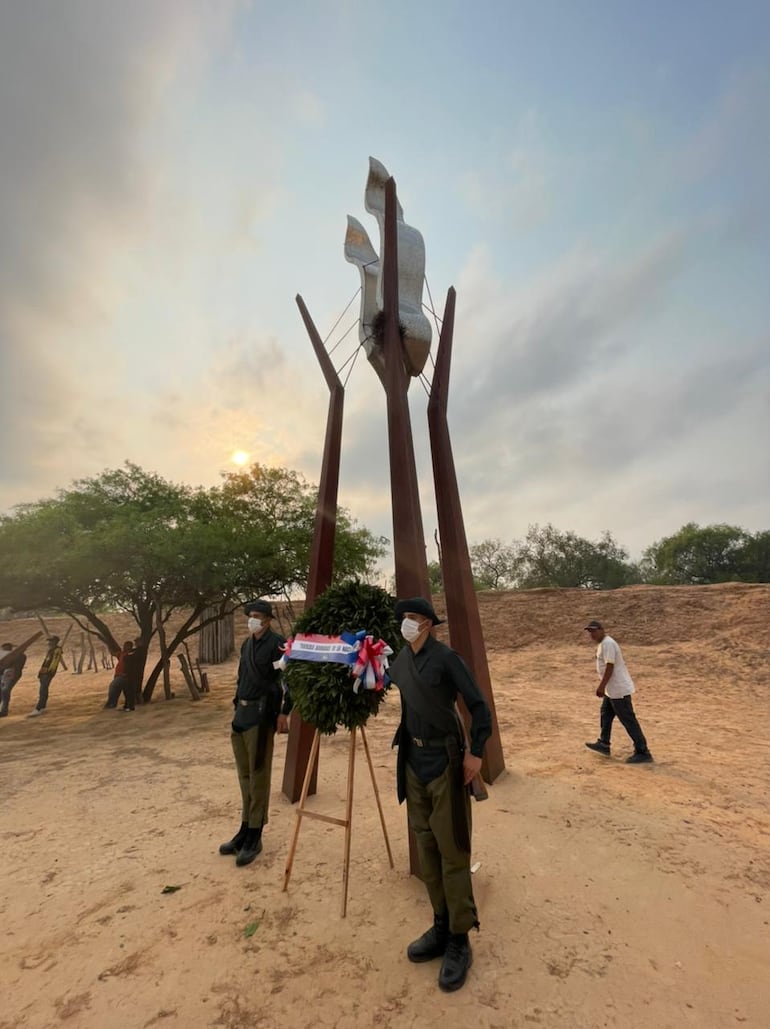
(240, 457)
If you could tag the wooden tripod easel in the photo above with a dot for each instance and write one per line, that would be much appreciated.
(347, 822)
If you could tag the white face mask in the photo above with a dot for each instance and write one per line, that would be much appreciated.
(255, 624)
(410, 629)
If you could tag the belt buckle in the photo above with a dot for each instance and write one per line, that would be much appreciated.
(418, 741)
(243, 703)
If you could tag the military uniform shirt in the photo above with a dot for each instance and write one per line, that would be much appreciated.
(258, 679)
(442, 669)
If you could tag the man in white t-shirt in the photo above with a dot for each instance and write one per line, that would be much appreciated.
(615, 689)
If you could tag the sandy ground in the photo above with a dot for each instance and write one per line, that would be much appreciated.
(609, 895)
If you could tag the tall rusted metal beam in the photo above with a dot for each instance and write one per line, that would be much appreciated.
(322, 551)
(465, 631)
(408, 540)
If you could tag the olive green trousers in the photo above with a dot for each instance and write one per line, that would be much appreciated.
(254, 782)
(444, 866)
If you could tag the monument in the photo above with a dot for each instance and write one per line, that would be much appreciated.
(396, 336)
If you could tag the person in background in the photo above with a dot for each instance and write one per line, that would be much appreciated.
(45, 676)
(135, 669)
(121, 682)
(615, 688)
(9, 677)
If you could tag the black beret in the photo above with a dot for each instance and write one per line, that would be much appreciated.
(418, 606)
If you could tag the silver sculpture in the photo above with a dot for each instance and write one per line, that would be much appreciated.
(414, 326)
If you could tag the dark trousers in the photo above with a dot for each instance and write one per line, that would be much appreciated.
(129, 693)
(445, 868)
(623, 709)
(120, 685)
(254, 763)
(42, 698)
(5, 696)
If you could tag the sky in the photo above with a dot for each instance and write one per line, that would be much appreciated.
(591, 178)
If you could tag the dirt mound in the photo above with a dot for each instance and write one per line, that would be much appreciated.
(637, 615)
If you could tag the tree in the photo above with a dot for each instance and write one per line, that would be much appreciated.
(128, 540)
(713, 553)
(495, 565)
(755, 558)
(435, 577)
(550, 557)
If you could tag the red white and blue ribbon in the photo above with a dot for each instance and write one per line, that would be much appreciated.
(367, 657)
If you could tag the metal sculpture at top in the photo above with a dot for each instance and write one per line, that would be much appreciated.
(396, 336)
(415, 327)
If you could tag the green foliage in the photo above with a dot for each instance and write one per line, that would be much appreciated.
(272, 513)
(713, 553)
(129, 540)
(435, 577)
(109, 542)
(323, 693)
(495, 564)
(548, 557)
(755, 558)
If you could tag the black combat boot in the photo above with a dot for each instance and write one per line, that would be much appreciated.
(234, 845)
(252, 846)
(457, 960)
(431, 944)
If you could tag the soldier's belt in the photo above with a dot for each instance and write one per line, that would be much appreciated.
(433, 744)
(251, 703)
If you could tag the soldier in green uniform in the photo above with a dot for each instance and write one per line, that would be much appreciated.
(261, 707)
(435, 768)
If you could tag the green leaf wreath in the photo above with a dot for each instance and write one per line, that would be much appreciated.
(323, 693)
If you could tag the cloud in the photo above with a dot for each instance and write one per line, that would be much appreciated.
(549, 334)
(517, 191)
(729, 139)
(252, 396)
(81, 83)
(244, 368)
(657, 411)
(570, 390)
(156, 200)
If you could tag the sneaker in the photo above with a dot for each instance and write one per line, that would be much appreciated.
(35, 712)
(639, 759)
(599, 747)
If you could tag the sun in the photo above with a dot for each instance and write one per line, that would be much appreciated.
(240, 457)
